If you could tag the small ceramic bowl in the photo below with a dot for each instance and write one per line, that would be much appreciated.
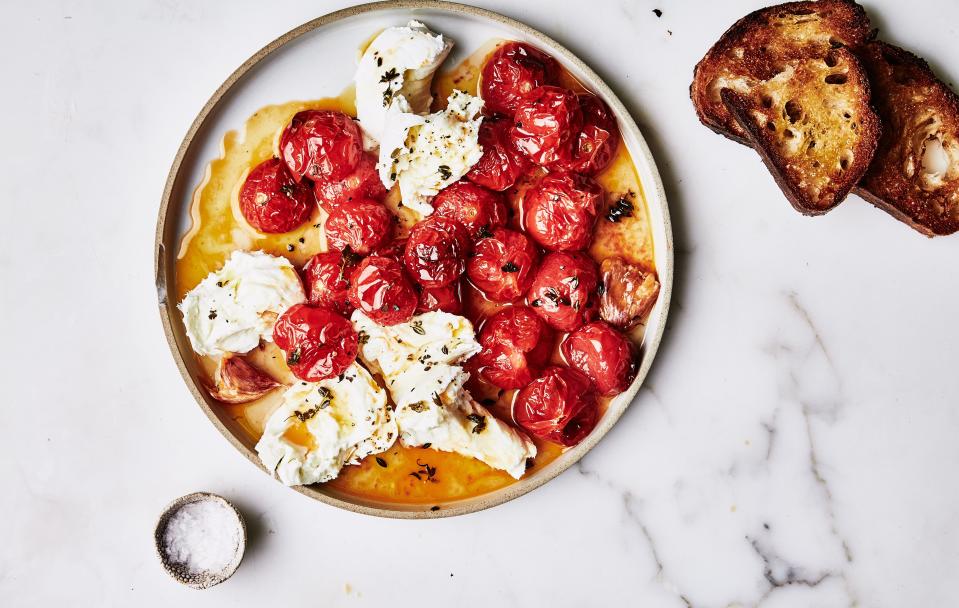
(198, 580)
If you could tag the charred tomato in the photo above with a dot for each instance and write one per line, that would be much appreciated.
(562, 290)
(318, 343)
(327, 279)
(545, 124)
(559, 406)
(272, 201)
(560, 211)
(511, 72)
(502, 164)
(595, 144)
(604, 355)
(321, 145)
(363, 226)
(363, 183)
(446, 298)
(502, 265)
(478, 209)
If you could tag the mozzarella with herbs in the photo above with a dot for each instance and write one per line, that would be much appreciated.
(428, 153)
(397, 68)
(322, 426)
(235, 307)
(418, 361)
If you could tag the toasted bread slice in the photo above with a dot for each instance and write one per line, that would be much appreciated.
(757, 47)
(915, 172)
(813, 127)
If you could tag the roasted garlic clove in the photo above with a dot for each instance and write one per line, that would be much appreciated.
(628, 293)
(236, 381)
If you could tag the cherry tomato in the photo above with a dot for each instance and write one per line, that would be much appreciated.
(436, 251)
(321, 145)
(364, 226)
(446, 298)
(595, 145)
(363, 183)
(271, 201)
(511, 72)
(562, 290)
(502, 265)
(502, 164)
(318, 343)
(381, 290)
(516, 344)
(606, 356)
(327, 278)
(559, 406)
(560, 211)
(478, 209)
(545, 125)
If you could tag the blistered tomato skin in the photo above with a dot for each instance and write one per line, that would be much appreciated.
(604, 355)
(363, 183)
(321, 145)
(502, 164)
(381, 290)
(502, 265)
(318, 343)
(559, 406)
(446, 298)
(436, 251)
(562, 290)
(516, 345)
(511, 72)
(327, 280)
(363, 226)
(478, 209)
(560, 211)
(595, 144)
(272, 202)
(545, 124)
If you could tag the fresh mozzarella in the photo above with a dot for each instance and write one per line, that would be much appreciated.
(397, 67)
(234, 307)
(321, 427)
(428, 153)
(418, 363)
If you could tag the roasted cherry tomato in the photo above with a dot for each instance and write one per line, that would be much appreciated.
(545, 125)
(321, 145)
(502, 265)
(516, 344)
(318, 343)
(446, 298)
(559, 406)
(364, 226)
(327, 279)
(478, 209)
(560, 211)
(606, 356)
(562, 290)
(271, 201)
(511, 72)
(381, 290)
(436, 251)
(363, 183)
(502, 164)
(595, 145)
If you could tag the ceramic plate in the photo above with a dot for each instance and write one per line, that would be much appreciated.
(327, 48)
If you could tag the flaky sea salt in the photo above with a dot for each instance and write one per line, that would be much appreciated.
(202, 536)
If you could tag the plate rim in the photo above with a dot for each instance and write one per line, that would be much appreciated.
(664, 270)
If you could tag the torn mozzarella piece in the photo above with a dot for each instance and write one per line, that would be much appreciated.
(322, 426)
(397, 65)
(428, 153)
(418, 363)
(236, 306)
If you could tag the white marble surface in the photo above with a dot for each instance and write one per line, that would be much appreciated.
(795, 444)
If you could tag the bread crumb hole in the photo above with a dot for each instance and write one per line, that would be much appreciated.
(836, 79)
(788, 133)
(767, 101)
(834, 43)
(845, 160)
(793, 110)
(831, 60)
(771, 125)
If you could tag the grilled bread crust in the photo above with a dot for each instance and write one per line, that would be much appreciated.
(757, 46)
(813, 126)
(915, 173)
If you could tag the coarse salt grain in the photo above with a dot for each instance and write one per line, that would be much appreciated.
(202, 536)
